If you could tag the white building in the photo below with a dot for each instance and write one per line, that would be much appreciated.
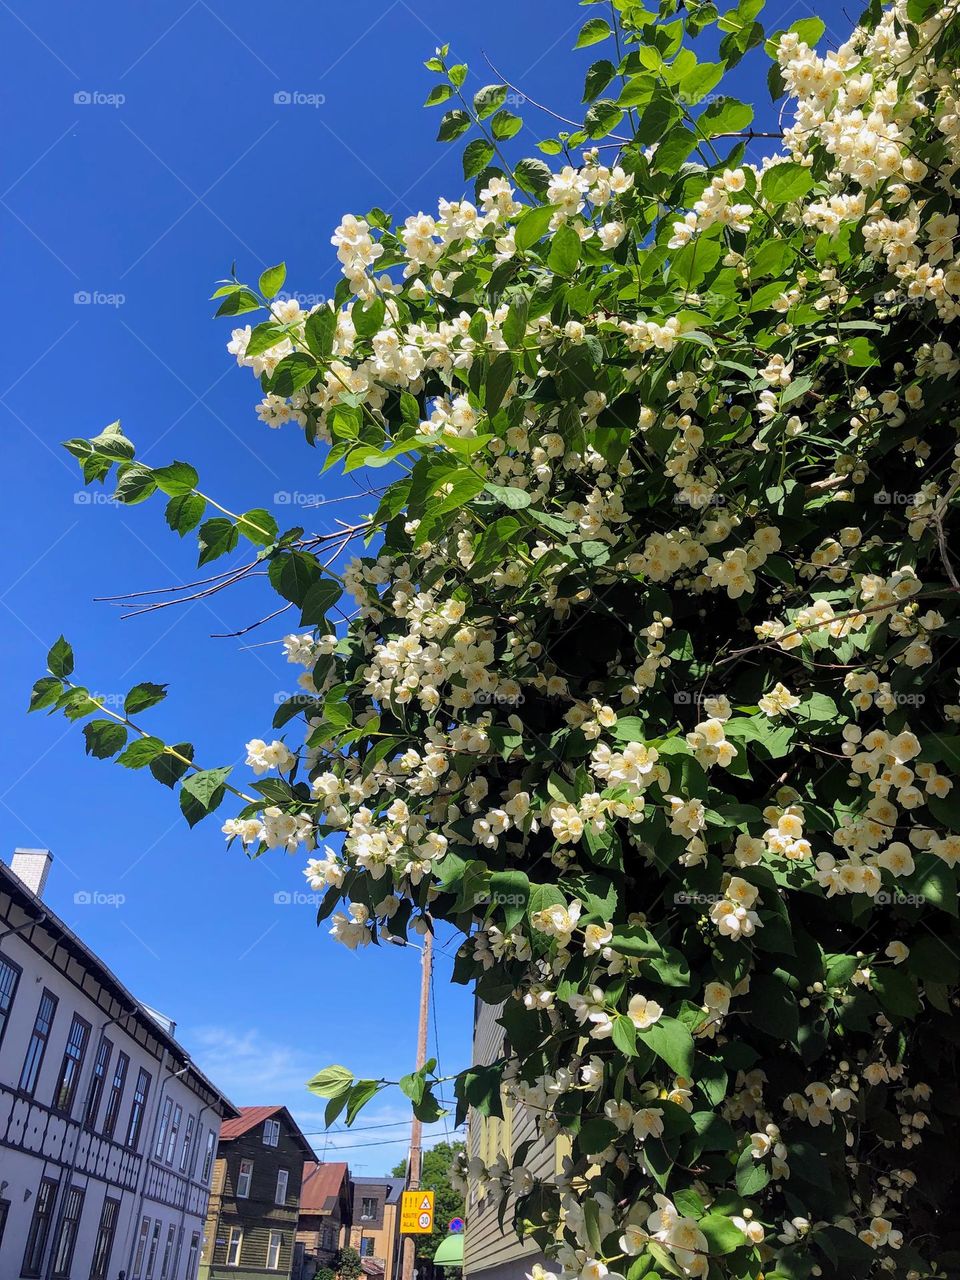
(108, 1132)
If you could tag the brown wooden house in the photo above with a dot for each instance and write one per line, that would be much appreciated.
(255, 1197)
(326, 1205)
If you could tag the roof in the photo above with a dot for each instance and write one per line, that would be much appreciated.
(37, 910)
(321, 1186)
(248, 1118)
(394, 1186)
(371, 1267)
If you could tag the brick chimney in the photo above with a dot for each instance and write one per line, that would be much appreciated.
(32, 866)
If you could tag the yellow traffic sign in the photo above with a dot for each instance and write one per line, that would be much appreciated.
(416, 1213)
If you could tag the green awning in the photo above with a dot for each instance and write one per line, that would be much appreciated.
(450, 1251)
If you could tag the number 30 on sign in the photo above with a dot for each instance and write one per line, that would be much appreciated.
(416, 1213)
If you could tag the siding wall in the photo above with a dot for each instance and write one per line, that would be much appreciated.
(489, 1251)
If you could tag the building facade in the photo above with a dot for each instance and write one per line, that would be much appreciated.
(326, 1213)
(252, 1218)
(107, 1129)
(375, 1229)
(492, 1251)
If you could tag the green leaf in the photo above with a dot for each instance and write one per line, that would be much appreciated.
(293, 372)
(166, 768)
(320, 598)
(45, 693)
(453, 124)
(440, 93)
(505, 125)
(140, 752)
(489, 99)
(603, 117)
(217, 537)
(202, 792)
(258, 527)
(104, 738)
(271, 281)
(564, 251)
(725, 115)
(60, 659)
(368, 317)
(532, 175)
(515, 499)
(625, 1035)
(498, 378)
(143, 696)
(135, 483)
(785, 183)
(670, 1040)
(177, 479)
(598, 77)
(331, 1082)
(752, 1175)
(722, 1235)
(476, 156)
(698, 82)
(185, 512)
(592, 32)
(531, 226)
(319, 329)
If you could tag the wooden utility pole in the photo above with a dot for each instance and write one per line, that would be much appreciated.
(416, 1128)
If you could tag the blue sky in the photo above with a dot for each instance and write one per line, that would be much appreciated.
(145, 151)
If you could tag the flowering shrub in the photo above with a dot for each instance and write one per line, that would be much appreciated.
(647, 686)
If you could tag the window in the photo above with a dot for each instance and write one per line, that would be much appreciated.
(192, 1257)
(208, 1157)
(366, 1246)
(187, 1142)
(38, 1042)
(9, 977)
(4, 1210)
(174, 1134)
(67, 1234)
(104, 1243)
(101, 1065)
(154, 1246)
(168, 1252)
(244, 1179)
(234, 1244)
(280, 1195)
(162, 1127)
(39, 1228)
(138, 1108)
(327, 1238)
(368, 1208)
(274, 1245)
(72, 1065)
(116, 1093)
(271, 1133)
(141, 1248)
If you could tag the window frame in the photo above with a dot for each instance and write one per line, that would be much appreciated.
(284, 1176)
(273, 1127)
(154, 1248)
(39, 1231)
(365, 1200)
(97, 1081)
(168, 1251)
(244, 1179)
(104, 1240)
(209, 1157)
(275, 1241)
(10, 996)
(193, 1257)
(234, 1237)
(143, 1235)
(163, 1122)
(170, 1154)
(138, 1108)
(115, 1096)
(71, 1065)
(33, 1058)
(187, 1143)
(68, 1228)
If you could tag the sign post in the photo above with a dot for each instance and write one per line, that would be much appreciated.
(416, 1213)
